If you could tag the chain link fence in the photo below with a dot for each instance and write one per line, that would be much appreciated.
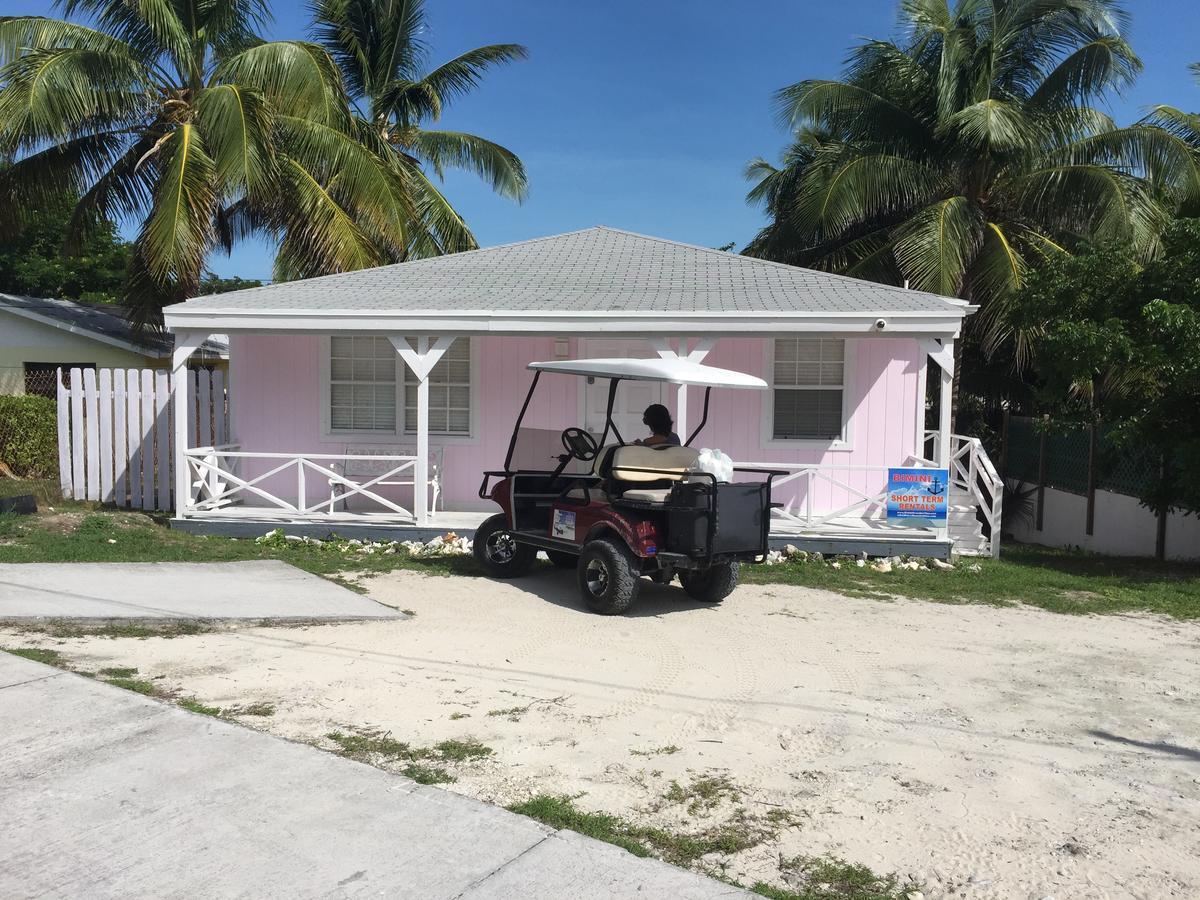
(1039, 452)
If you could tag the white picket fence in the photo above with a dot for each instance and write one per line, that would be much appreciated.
(116, 434)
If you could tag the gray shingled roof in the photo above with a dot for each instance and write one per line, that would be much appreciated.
(103, 320)
(596, 270)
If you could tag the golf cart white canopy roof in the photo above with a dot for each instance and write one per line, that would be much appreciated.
(672, 371)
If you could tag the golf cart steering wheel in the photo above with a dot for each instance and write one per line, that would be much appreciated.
(580, 444)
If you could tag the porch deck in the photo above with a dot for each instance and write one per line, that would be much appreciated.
(850, 535)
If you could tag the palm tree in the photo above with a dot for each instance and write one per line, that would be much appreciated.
(958, 158)
(1183, 177)
(173, 113)
(380, 46)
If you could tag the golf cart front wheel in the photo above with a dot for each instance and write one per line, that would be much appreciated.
(711, 585)
(608, 576)
(497, 550)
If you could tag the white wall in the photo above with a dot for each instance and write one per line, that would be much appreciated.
(1123, 527)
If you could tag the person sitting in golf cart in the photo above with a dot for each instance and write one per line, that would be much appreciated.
(658, 419)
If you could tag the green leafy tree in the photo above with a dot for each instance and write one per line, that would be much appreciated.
(212, 283)
(1118, 343)
(967, 154)
(174, 114)
(32, 263)
(380, 47)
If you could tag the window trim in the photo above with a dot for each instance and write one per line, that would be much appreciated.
(398, 436)
(845, 443)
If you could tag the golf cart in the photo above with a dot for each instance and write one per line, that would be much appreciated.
(616, 511)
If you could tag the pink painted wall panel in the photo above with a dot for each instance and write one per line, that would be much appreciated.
(277, 400)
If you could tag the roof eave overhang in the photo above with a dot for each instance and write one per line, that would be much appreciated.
(939, 323)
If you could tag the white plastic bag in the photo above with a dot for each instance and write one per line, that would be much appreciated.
(715, 463)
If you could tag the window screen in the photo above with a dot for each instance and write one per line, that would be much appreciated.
(449, 393)
(808, 385)
(362, 384)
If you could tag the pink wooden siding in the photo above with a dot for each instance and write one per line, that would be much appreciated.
(277, 407)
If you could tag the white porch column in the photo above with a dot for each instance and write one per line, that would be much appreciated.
(421, 362)
(942, 353)
(186, 343)
(662, 346)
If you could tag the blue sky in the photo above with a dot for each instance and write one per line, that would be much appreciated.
(642, 115)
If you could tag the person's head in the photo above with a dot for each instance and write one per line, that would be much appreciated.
(658, 419)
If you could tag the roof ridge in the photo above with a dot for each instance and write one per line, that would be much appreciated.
(833, 276)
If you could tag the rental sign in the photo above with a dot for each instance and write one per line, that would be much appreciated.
(917, 494)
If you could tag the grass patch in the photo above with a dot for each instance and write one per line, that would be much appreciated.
(38, 654)
(513, 713)
(137, 685)
(666, 750)
(458, 751)
(191, 704)
(64, 628)
(704, 794)
(252, 709)
(373, 746)
(455, 716)
(423, 774)
(1054, 580)
(118, 672)
(740, 833)
(94, 535)
(830, 878)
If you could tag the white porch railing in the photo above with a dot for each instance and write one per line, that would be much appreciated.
(974, 480)
(216, 481)
(974, 483)
(838, 478)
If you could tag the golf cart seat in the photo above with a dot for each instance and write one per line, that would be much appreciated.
(672, 464)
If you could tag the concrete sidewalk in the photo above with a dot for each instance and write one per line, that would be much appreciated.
(106, 793)
(252, 589)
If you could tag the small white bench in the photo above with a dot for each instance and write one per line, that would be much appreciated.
(364, 469)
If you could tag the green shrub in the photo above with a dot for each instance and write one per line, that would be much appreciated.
(29, 436)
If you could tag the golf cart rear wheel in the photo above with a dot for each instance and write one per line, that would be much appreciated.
(563, 560)
(711, 585)
(608, 576)
(497, 550)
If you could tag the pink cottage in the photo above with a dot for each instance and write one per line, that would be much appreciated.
(371, 402)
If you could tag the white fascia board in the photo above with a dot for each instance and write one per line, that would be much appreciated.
(569, 323)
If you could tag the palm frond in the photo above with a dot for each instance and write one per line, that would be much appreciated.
(50, 95)
(318, 235)
(236, 124)
(425, 97)
(294, 76)
(994, 125)
(20, 35)
(934, 248)
(497, 165)
(178, 233)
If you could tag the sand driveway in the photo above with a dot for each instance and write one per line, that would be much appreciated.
(989, 753)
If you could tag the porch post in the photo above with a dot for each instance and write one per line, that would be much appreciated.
(942, 353)
(696, 354)
(421, 362)
(186, 343)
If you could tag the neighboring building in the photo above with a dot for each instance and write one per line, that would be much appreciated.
(38, 336)
(325, 367)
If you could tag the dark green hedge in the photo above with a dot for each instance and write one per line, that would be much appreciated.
(29, 436)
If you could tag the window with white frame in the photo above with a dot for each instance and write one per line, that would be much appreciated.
(362, 383)
(808, 383)
(449, 393)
